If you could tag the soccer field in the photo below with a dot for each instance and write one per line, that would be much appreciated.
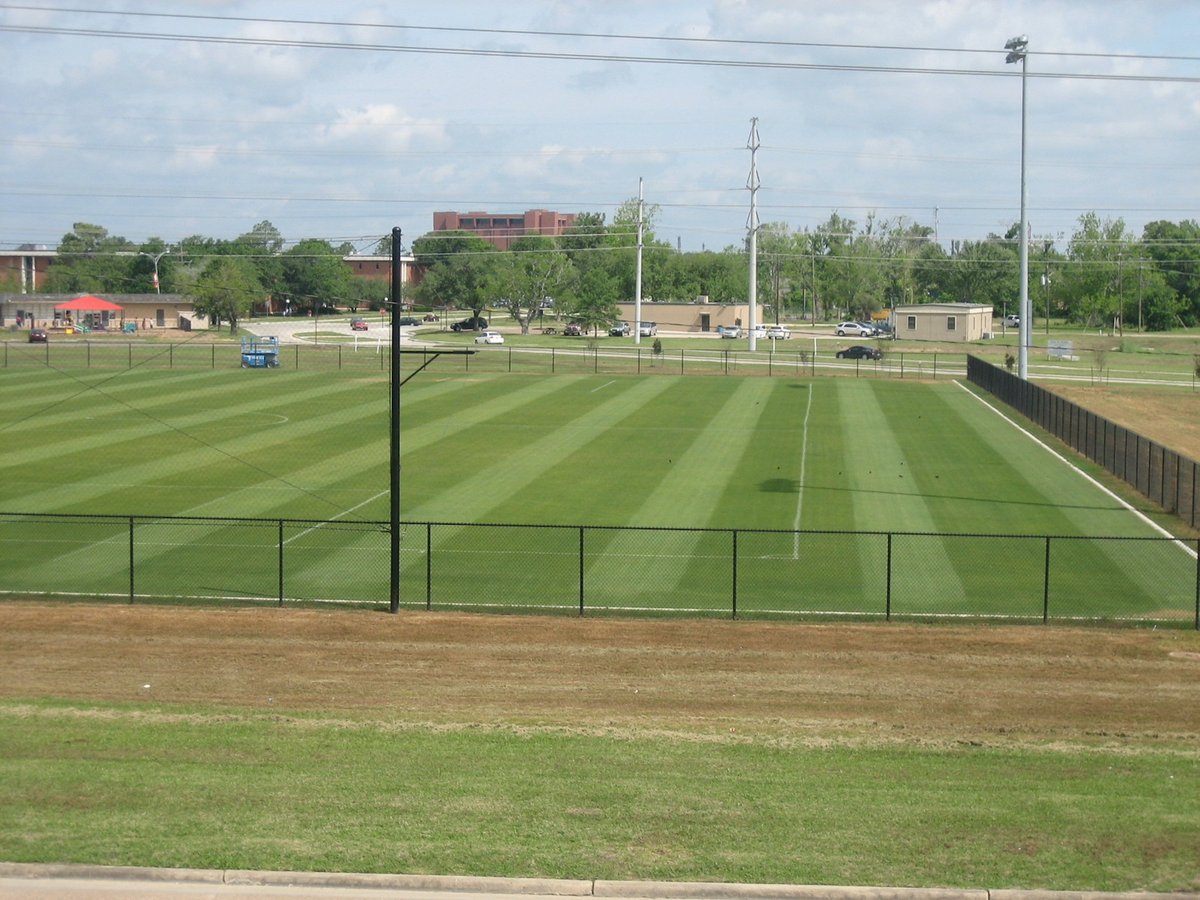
(832, 458)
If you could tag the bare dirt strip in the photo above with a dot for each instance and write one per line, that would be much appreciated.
(787, 684)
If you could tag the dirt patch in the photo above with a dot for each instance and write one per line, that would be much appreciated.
(1169, 418)
(702, 680)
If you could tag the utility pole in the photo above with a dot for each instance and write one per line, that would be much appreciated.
(637, 296)
(752, 184)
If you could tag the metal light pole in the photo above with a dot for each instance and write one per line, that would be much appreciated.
(1017, 52)
(397, 294)
(155, 259)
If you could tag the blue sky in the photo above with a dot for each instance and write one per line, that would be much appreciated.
(169, 138)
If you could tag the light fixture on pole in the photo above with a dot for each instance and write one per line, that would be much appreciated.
(155, 259)
(1017, 48)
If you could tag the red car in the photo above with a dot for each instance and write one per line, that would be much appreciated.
(358, 324)
(38, 336)
(573, 329)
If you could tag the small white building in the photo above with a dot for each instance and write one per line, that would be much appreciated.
(944, 322)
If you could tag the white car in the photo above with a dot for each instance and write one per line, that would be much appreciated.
(489, 337)
(729, 331)
(778, 333)
(856, 328)
(647, 329)
(759, 331)
(1012, 321)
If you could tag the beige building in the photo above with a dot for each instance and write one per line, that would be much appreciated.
(943, 322)
(145, 310)
(690, 317)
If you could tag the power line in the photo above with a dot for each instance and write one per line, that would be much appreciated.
(578, 56)
(664, 39)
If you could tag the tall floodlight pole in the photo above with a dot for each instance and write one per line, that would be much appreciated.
(752, 225)
(637, 290)
(1018, 52)
(397, 296)
(155, 259)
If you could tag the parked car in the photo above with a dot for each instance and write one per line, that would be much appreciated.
(38, 336)
(358, 324)
(620, 329)
(729, 331)
(648, 329)
(573, 329)
(408, 320)
(475, 323)
(860, 352)
(489, 337)
(856, 328)
(778, 333)
(1012, 321)
(760, 332)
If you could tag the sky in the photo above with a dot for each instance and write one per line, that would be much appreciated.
(341, 120)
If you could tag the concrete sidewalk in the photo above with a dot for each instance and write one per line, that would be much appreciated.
(73, 882)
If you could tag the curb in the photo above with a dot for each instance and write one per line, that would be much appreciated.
(546, 887)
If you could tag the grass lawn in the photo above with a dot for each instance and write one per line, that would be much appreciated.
(852, 458)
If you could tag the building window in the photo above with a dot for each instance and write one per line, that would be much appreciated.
(951, 323)
(912, 323)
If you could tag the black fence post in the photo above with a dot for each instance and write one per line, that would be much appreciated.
(888, 577)
(1046, 585)
(281, 563)
(131, 568)
(735, 571)
(428, 566)
(581, 529)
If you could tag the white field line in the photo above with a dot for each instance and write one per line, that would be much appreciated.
(344, 512)
(603, 386)
(1074, 468)
(803, 463)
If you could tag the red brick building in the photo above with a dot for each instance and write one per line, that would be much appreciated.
(502, 229)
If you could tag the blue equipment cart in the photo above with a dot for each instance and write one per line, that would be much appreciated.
(260, 352)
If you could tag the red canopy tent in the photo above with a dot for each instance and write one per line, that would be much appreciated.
(88, 303)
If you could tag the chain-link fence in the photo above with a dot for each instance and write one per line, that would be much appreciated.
(1169, 479)
(592, 570)
(579, 357)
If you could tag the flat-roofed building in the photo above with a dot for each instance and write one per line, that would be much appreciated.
(501, 229)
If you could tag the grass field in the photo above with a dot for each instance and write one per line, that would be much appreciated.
(878, 754)
(850, 458)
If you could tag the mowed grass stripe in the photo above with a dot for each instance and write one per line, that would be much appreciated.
(100, 471)
(689, 492)
(192, 413)
(511, 469)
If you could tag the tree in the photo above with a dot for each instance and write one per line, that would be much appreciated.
(264, 236)
(457, 265)
(314, 275)
(532, 270)
(91, 260)
(1093, 284)
(1175, 249)
(226, 291)
(984, 272)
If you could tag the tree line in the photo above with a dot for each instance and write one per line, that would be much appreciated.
(1104, 276)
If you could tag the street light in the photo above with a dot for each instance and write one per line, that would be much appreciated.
(1017, 52)
(155, 258)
